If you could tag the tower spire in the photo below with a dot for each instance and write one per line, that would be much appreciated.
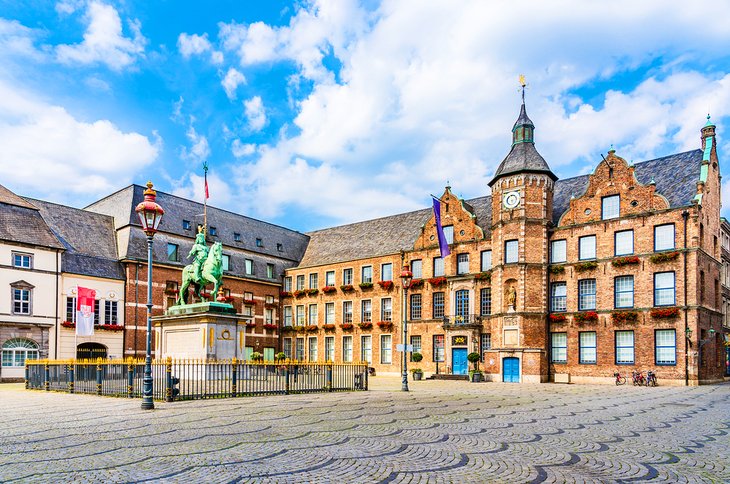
(523, 83)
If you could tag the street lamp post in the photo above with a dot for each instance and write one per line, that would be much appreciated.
(406, 276)
(150, 215)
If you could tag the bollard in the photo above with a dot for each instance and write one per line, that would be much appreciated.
(130, 378)
(27, 375)
(47, 378)
(286, 379)
(328, 373)
(168, 379)
(98, 376)
(234, 377)
(71, 368)
(367, 372)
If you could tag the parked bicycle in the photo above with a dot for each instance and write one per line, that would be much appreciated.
(620, 380)
(637, 378)
(651, 379)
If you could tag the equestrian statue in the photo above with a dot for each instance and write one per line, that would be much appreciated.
(205, 269)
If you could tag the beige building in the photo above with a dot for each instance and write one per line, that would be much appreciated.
(30, 261)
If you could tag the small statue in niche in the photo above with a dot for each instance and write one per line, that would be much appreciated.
(511, 298)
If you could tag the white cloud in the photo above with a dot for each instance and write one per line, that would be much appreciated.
(67, 7)
(199, 150)
(192, 186)
(240, 150)
(194, 44)
(231, 81)
(428, 92)
(47, 151)
(17, 40)
(104, 42)
(255, 113)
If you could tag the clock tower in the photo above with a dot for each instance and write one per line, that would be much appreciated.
(522, 204)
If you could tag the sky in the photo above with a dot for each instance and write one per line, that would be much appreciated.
(317, 113)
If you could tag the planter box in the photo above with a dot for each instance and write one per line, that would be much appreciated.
(417, 376)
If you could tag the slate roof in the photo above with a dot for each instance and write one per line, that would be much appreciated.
(675, 178)
(89, 239)
(21, 222)
(280, 246)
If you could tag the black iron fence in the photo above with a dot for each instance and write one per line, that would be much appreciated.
(194, 379)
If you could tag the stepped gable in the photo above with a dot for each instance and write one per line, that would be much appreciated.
(675, 177)
(21, 222)
(88, 237)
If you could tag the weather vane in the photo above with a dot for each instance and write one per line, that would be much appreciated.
(523, 83)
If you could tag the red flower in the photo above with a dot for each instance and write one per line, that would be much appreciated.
(557, 318)
(658, 313)
(437, 281)
(329, 289)
(385, 324)
(586, 317)
(346, 326)
(387, 285)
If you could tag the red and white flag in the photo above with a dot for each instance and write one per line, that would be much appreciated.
(85, 311)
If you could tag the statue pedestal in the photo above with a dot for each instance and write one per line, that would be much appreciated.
(207, 331)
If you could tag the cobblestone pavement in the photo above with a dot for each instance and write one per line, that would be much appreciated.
(438, 432)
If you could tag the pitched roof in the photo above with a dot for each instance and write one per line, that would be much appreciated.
(675, 177)
(121, 206)
(21, 222)
(89, 239)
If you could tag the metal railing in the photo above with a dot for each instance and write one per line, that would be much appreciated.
(195, 379)
(462, 320)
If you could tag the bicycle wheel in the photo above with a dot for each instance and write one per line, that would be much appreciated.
(621, 381)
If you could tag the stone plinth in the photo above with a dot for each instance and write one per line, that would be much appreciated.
(209, 330)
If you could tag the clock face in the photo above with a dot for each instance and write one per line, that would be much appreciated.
(511, 199)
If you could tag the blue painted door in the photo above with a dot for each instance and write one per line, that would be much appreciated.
(458, 356)
(511, 370)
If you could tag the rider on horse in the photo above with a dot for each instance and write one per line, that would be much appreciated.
(199, 253)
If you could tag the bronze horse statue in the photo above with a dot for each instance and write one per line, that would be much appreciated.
(210, 273)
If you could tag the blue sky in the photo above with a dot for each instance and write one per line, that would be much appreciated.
(317, 113)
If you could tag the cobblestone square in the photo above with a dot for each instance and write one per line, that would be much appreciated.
(438, 432)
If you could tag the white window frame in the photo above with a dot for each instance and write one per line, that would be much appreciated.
(386, 349)
(558, 251)
(485, 262)
(587, 247)
(610, 207)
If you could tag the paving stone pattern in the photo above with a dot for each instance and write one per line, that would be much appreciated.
(438, 432)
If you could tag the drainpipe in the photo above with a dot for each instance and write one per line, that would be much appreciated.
(548, 342)
(124, 308)
(57, 329)
(685, 216)
(136, 303)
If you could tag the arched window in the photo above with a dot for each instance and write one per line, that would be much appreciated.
(17, 350)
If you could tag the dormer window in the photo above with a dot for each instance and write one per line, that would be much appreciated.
(259, 242)
(213, 231)
(610, 207)
(186, 225)
(236, 237)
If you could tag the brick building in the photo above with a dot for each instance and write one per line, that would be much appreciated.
(547, 279)
(255, 256)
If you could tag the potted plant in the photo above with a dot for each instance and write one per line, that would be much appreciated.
(281, 356)
(416, 357)
(475, 376)
(256, 356)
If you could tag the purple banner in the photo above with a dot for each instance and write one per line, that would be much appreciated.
(443, 246)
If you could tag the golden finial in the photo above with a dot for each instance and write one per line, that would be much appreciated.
(523, 83)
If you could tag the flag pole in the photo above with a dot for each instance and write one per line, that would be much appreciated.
(205, 198)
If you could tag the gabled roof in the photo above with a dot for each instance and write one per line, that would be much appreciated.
(89, 239)
(675, 177)
(21, 222)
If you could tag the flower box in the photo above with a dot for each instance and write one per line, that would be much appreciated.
(269, 326)
(416, 283)
(285, 294)
(329, 289)
(557, 318)
(312, 292)
(625, 261)
(386, 325)
(346, 326)
(437, 281)
(68, 324)
(347, 288)
(251, 324)
(366, 285)
(109, 327)
(586, 317)
(484, 276)
(249, 302)
(586, 266)
(557, 269)
(659, 313)
(271, 305)
(329, 327)
(311, 328)
(387, 285)
(228, 299)
(205, 295)
(664, 257)
(624, 316)
(299, 293)
(288, 329)
(365, 325)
